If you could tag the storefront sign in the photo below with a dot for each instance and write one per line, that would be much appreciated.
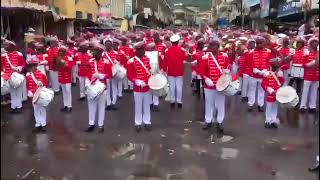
(288, 8)
(314, 4)
(249, 3)
(264, 6)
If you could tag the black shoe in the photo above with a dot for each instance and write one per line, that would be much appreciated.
(238, 93)
(147, 127)
(37, 129)
(156, 108)
(315, 168)
(64, 109)
(151, 106)
(13, 111)
(44, 129)
(179, 105)
(207, 126)
(56, 92)
(250, 108)
(267, 125)
(113, 107)
(260, 109)
(172, 105)
(274, 125)
(81, 98)
(90, 129)
(244, 99)
(101, 129)
(120, 97)
(74, 84)
(138, 128)
(312, 111)
(302, 111)
(220, 128)
(69, 109)
(108, 108)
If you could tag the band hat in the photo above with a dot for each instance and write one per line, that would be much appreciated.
(84, 43)
(201, 40)
(243, 38)
(175, 38)
(312, 40)
(151, 45)
(10, 43)
(107, 39)
(31, 30)
(139, 45)
(62, 47)
(281, 35)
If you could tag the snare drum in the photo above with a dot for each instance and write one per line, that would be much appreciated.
(118, 71)
(16, 80)
(43, 96)
(93, 91)
(296, 71)
(287, 97)
(158, 84)
(227, 86)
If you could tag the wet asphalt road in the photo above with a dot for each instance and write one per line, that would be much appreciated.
(176, 149)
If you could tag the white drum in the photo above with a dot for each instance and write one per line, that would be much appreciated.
(4, 86)
(16, 80)
(118, 71)
(287, 97)
(227, 86)
(93, 91)
(43, 96)
(158, 83)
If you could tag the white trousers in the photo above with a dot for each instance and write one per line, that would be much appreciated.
(82, 83)
(112, 92)
(92, 106)
(142, 108)
(54, 81)
(24, 91)
(214, 103)
(66, 94)
(40, 115)
(253, 85)
(175, 85)
(16, 97)
(75, 73)
(271, 112)
(286, 76)
(244, 84)
(125, 83)
(119, 86)
(155, 100)
(309, 94)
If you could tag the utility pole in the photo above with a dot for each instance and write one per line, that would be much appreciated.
(242, 14)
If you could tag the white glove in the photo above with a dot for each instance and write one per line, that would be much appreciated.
(30, 94)
(19, 68)
(96, 75)
(270, 90)
(263, 72)
(226, 71)
(256, 71)
(44, 62)
(87, 83)
(2, 73)
(140, 83)
(208, 82)
(280, 74)
(78, 62)
(39, 83)
(101, 76)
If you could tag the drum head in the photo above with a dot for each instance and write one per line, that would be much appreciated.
(115, 69)
(157, 81)
(223, 82)
(286, 94)
(36, 95)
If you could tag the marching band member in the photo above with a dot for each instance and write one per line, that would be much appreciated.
(174, 61)
(297, 70)
(285, 54)
(53, 51)
(139, 73)
(64, 66)
(243, 71)
(258, 60)
(129, 53)
(251, 44)
(97, 71)
(35, 79)
(197, 56)
(82, 58)
(13, 61)
(122, 59)
(271, 82)
(42, 58)
(212, 66)
(71, 51)
(311, 78)
(111, 56)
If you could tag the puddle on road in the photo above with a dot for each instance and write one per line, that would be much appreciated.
(214, 138)
(229, 153)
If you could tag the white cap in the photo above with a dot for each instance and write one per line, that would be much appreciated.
(281, 35)
(242, 38)
(175, 38)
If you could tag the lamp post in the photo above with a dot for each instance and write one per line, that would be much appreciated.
(242, 14)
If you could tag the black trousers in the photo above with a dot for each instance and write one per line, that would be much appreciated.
(298, 82)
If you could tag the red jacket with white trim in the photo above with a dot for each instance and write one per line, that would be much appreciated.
(269, 81)
(136, 71)
(65, 72)
(259, 59)
(84, 61)
(174, 57)
(311, 73)
(39, 76)
(15, 58)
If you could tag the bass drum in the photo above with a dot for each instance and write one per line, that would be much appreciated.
(93, 91)
(287, 97)
(4, 86)
(43, 96)
(158, 84)
(118, 71)
(16, 80)
(227, 86)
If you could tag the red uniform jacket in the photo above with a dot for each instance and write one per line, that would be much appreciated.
(259, 59)
(208, 68)
(65, 73)
(52, 53)
(161, 48)
(102, 66)
(311, 74)
(39, 76)
(84, 61)
(270, 81)
(136, 71)
(285, 52)
(197, 56)
(16, 59)
(300, 56)
(243, 64)
(113, 55)
(42, 58)
(174, 57)
(72, 51)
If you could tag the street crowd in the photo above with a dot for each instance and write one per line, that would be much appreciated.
(258, 64)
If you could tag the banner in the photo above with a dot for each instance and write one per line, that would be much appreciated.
(265, 7)
(289, 8)
(249, 3)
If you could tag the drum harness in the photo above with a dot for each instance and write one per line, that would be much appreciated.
(144, 67)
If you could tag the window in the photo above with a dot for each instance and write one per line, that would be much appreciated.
(57, 10)
(78, 14)
(89, 16)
